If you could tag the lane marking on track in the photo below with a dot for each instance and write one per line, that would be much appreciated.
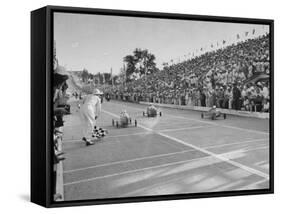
(112, 136)
(218, 156)
(236, 143)
(136, 170)
(254, 185)
(128, 161)
(180, 129)
(154, 156)
(259, 148)
(152, 167)
(244, 150)
(172, 144)
(161, 184)
(208, 122)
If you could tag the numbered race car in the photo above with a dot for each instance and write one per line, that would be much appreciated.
(152, 111)
(124, 121)
(213, 113)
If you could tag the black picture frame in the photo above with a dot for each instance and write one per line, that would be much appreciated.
(41, 104)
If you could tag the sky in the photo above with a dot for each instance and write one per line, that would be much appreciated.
(99, 43)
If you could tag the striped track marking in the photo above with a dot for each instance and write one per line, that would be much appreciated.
(149, 168)
(128, 161)
(112, 136)
(218, 156)
(181, 129)
(134, 171)
(157, 156)
(236, 143)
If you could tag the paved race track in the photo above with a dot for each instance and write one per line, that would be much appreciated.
(176, 153)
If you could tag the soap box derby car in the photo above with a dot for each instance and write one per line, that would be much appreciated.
(213, 113)
(124, 121)
(152, 111)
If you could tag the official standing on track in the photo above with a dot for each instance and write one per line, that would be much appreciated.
(90, 111)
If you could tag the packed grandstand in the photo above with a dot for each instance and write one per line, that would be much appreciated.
(234, 77)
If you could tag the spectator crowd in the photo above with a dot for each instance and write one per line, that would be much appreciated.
(233, 77)
(60, 108)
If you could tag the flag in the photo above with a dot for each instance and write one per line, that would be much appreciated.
(237, 36)
(223, 42)
(254, 30)
(125, 73)
(111, 77)
(201, 49)
(246, 33)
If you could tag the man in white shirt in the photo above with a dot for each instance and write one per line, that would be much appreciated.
(265, 92)
(90, 111)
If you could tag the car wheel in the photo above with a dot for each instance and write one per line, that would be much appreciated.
(112, 122)
(136, 123)
(224, 116)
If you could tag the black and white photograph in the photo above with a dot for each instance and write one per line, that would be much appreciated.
(148, 106)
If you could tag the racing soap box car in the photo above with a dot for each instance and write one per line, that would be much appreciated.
(124, 121)
(213, 113)
(152, 111)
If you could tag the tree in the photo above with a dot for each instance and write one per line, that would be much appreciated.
(140, 63)
(150, 64)
(131, 65)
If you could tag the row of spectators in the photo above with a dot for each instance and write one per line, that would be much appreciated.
(60, 108)
(235, 77)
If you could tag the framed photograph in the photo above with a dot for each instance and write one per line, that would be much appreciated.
(134, 106)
